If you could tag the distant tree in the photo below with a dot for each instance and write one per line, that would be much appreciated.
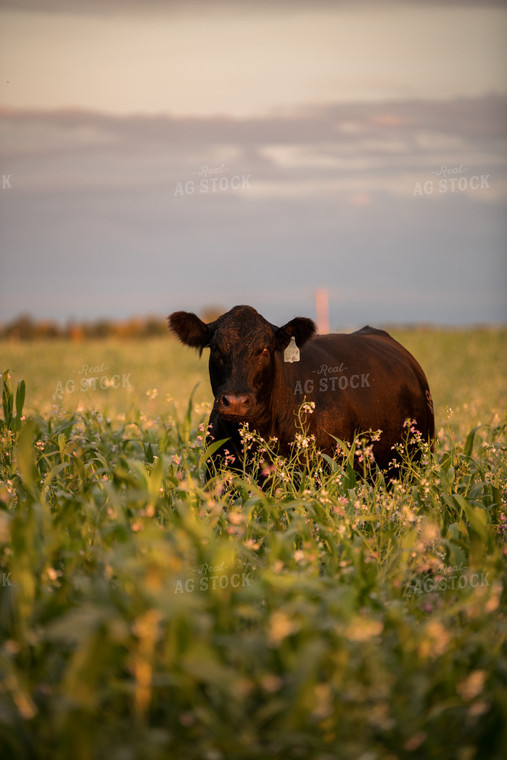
(155, 326)
(74, 332)
(103, 328)
(131, 328)
(47, 329)
(23, 328)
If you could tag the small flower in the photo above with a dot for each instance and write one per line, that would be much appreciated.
(281, 626)
(53, 574)
(472, 686)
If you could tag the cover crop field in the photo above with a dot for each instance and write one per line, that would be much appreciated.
(144, 615)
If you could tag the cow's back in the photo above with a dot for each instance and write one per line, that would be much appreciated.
(358, 382)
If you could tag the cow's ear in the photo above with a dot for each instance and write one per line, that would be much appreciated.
(300, 328)
(191, 330)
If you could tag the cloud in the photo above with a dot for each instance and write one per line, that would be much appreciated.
(474, 118)
(333, 146)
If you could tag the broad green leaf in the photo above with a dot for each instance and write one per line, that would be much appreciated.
(25, 454)
(469, 443)
(7, 398)
(20, 398)
(210, 450)
(476, 516)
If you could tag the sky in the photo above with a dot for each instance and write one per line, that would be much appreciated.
(173, 155)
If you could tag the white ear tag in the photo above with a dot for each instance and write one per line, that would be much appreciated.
(291, 353)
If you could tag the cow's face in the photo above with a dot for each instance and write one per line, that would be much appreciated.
(243, 354)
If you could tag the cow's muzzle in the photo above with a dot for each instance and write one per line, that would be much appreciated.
(234, 404)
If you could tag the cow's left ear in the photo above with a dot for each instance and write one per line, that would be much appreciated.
(300, 328)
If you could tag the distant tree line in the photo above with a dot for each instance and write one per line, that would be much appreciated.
(26, 327)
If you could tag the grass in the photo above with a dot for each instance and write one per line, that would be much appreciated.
(145, 616)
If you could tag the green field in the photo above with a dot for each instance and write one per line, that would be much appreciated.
(145, 616)
(466, 370)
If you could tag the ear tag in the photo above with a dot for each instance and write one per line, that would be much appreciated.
(291, 353)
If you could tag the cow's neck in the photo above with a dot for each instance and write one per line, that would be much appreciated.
(282, 404)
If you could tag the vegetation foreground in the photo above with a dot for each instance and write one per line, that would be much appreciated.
(144, 615)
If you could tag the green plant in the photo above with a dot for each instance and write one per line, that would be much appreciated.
(144, 614)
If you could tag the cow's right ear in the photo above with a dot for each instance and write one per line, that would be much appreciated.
(191, 330)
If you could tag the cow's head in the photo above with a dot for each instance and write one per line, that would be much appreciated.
(243, 354)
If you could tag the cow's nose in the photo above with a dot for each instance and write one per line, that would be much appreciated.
(235, 404)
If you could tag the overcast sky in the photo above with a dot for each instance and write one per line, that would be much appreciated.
(165, 155)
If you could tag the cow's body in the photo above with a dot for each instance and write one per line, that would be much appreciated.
(364, 381)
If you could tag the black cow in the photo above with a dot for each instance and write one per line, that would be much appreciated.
(365, 381)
